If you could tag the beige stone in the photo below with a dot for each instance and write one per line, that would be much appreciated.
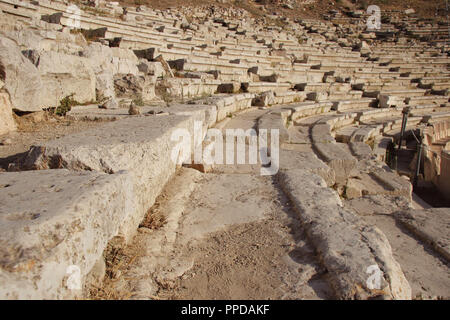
(21, 78)
(7, 123)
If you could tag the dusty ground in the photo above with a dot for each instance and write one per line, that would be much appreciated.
(263, 259)
(229, 234)
(35, 128)
(232, 234)
(237, 238)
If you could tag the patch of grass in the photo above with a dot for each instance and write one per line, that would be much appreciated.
(65, 105)
(138, 101)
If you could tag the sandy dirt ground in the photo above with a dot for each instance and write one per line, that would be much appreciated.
(232, 234)
(228, 234)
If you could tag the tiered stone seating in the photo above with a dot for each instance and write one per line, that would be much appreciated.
(341, 88)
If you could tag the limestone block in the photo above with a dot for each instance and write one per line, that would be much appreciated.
(64, 74)
(7, 123)
(22, 79)
(131, 86)
(124, 61)
(55, 223)
(347, 246)
(141, 145)
(430, 225)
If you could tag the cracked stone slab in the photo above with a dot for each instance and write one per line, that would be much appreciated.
(392, 182)
(378, 204)
(338, 158)
(346, 245)
(290, 159)
(52, 220)
(141, 145)
(430, 225)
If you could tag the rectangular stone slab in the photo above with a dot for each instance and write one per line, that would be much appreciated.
(53, 219)
(430, 225)
(347, 246)
(140, 145)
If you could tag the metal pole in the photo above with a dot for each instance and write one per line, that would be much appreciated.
(419, 159)
(405, 113)
(395, 159)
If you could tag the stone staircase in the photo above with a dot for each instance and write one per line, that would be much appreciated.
(329, 85)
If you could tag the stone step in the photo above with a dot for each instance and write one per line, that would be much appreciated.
(377, 184)
(389, 99)
(441, 86)
(344, 134)
(333, 154)
(258, 87)
(430, 226)
(331, 228)
(365, 133)
(422, 110)
(351, 95)
(367, 116)
(305, 109)
(56, 222)
(339, 120)
(438, 116)
(434, 80)
(289, 97)
(345, 105)
(312, 87)
(427, 100)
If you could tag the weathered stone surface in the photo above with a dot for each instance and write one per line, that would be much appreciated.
(308, 161)
(101, 60)
(228, 88)
(141, 145)
(274, 121)
(387, 101)
(21, 78)
(7, 123)
(361, 150)
(131, 86)
(151, 68)
(52, 220)
(110, 103)
(346, 244)
(209, 110)
(378, 204)
(430, 225)
(32, 55)
(64, 74)
(392, 182)
(124, 61)
(335, 156)
(264, 99)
